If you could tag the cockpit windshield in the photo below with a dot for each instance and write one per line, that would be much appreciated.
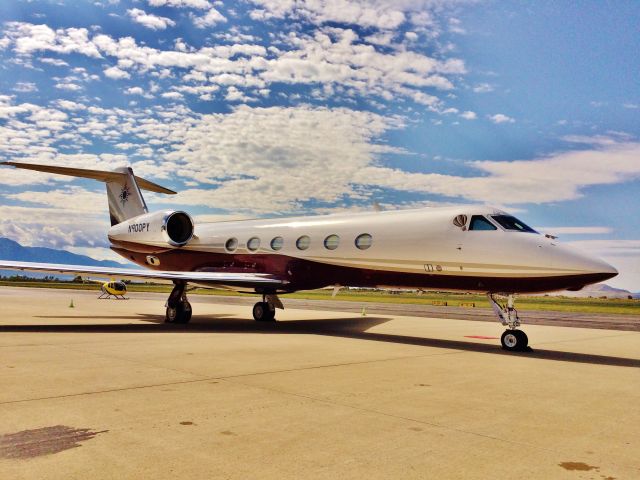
(478, 222)
(509, 222)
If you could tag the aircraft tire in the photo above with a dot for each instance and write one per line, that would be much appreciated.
(181, 314)
(262, 312)
(514, 340)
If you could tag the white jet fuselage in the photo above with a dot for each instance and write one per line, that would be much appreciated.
(421, 248)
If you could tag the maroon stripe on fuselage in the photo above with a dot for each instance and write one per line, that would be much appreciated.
(306, 274)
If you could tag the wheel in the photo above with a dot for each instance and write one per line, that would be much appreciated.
(514, 340)
(180, 314)
(262, 312)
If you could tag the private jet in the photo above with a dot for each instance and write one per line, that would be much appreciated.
(463, 248)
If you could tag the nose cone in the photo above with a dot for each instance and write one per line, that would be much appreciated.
(602, 270)
(575, 262)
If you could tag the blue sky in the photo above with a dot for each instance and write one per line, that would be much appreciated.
(310, 106)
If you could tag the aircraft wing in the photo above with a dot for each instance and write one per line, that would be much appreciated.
(243, 280)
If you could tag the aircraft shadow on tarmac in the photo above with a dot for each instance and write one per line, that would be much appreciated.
(351, 327)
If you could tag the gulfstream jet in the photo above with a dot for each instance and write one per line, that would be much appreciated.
(465, 248)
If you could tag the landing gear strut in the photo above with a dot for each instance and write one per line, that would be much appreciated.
(265, 311)
(512, 339)
(178, 307)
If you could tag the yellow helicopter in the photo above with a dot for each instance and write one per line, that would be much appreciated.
(113, 289)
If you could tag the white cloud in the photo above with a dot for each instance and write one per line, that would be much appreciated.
(134, 91)
(201, 4)
(70, 199)
(29, 38)
(455, 26)
(520, 181)
(609, 247)
(380, 38)
(501, 118)
(379, 14)
(212, 17)
(97, 253)
(38, 227)
(54, 61)
(411, 36)
(335, 58)
(468, 115)
(72, 87)
(286, 152)
(25, 87)
(148, 20)
(69, 105)
(235, 95)
(631, 106)
(172, 95)
(602, 140)
(116, 73)
(206, 149)
(483, 88)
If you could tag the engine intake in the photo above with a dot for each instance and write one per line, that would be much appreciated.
(169, 228)
(179, 228)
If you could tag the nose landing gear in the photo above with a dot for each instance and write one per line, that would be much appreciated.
(512, 339)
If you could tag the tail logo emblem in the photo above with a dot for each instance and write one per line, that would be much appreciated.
(125, 193)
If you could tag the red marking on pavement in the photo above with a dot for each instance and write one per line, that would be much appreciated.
(482, 337)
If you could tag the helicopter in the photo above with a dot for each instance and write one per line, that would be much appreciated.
(113, 289)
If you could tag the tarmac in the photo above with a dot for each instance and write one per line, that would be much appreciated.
(107, 390)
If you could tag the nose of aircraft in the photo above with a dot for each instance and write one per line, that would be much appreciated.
(581, 263)
(601, 269)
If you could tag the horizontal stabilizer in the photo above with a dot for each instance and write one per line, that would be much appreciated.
(100, 175)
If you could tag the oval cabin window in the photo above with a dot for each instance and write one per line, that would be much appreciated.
(364, 241)
(277, 243)
(303, 242)
(253, 244)
(231, 244)
(331, 242)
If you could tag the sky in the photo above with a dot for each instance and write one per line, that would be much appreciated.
(262, 107)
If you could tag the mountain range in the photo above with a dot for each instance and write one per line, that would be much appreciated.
(598, 290)
(11, 250)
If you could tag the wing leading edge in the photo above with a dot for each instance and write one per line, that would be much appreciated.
(243, 280)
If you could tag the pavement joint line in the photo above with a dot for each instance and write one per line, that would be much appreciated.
(394, 416)
(130, 360)
(227, 377)
(409, 419)
(110, 390)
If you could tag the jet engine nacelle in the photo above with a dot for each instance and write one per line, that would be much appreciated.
(172, 228)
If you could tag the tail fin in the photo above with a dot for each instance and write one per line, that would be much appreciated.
(123, 187)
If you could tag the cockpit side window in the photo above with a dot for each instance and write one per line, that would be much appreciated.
(478, 222)
(509, 222)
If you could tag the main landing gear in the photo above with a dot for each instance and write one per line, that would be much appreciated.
(512, 339)
(178, 307)
(265, 311)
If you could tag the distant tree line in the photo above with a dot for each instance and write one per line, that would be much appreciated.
(46, 278)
